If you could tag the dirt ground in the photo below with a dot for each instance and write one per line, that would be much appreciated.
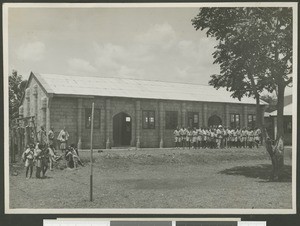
(159, 178)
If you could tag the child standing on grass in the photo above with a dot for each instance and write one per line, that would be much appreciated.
(63, 144)
(27, 156)
(182, 136)
(195, 137)
(189, 137)
(250, 138)
(257, 134)
(38, 160)
(176, 137)
(45, 160)
(185, 137)
(52, 156)
(204, 138)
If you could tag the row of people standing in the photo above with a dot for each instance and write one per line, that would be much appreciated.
(217, 137)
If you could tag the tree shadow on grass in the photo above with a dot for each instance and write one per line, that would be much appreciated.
(261, 171)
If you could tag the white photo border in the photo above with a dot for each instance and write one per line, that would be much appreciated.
(9, 210)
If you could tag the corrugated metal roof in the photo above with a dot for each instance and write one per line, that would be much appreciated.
(133, 88)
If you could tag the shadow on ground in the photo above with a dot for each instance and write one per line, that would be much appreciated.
(261, 171)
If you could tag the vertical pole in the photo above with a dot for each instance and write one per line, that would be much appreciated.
(91, 160)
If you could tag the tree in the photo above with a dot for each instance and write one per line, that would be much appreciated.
(16, 90)
(254, 52)
(271, 100)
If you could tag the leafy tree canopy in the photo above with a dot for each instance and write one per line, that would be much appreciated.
(254, 49)
(16, 89)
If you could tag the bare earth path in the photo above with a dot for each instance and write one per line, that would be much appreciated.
(159, 178)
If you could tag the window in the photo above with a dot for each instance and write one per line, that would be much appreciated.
(171, 119)
(88, 117)
(251, 121)
(148, 119)
(193, 119)
(234, 120)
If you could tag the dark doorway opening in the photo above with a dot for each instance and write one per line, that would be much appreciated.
(122, 129)
(214, 120)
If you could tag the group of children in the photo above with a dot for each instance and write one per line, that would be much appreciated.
(44, 156)
(41, 156)
(217, 137)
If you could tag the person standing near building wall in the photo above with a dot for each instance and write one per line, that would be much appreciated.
(51, 137)
(257, 134)
(42, 136)
(63, 139)
(176, 137)
(182, 137)
(219, 136)
(195, 138)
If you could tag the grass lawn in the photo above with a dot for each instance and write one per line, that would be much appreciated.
(159, 178)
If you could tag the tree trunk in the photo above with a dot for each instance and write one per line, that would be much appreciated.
(280, 107)
(280, 128)
(258, 122)
(275, 153)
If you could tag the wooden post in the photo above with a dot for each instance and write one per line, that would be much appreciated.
(108, 124)
(79, 122)
(161, 124)
(138, 123)
(91, 171)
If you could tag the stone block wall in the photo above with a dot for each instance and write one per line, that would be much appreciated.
(63, 113)
(35, 103)
(150, 137)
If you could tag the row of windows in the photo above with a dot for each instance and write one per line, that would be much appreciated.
(171, 119)
(236, 122)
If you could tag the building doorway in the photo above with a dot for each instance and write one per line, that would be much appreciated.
(122, 129)
(214, 120)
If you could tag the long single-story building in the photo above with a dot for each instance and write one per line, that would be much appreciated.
(129, 112)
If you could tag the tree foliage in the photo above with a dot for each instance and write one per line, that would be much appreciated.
(16, 89)
(252, 42)
(254, 48)
(271, 100)
(254, 52)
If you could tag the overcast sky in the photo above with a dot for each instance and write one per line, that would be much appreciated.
(144, 43)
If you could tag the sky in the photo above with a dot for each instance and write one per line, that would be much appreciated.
(142, 43)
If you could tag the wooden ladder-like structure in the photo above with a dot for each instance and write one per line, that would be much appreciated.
(21, 135)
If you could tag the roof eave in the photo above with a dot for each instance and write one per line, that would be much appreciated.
(94, 96)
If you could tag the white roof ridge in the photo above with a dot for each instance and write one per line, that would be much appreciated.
(130, 78)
